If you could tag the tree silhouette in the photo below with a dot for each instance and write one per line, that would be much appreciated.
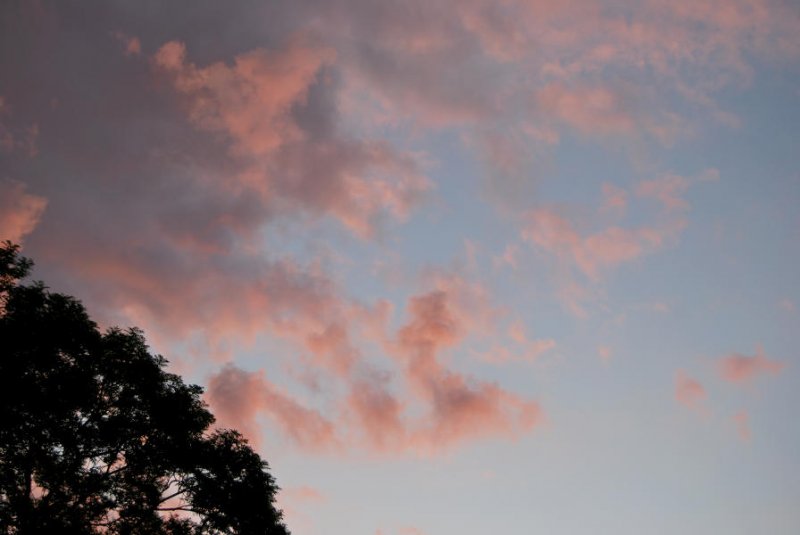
(96, 437)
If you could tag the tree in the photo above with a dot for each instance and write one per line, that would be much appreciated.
(96, 437)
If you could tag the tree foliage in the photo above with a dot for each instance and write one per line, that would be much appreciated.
(96, 437)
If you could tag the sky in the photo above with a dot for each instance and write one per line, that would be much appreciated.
(475, 266)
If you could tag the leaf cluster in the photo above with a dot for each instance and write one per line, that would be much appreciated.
(96, 437)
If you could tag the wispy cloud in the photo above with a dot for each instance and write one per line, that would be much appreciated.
(688, 391)
(742, 369)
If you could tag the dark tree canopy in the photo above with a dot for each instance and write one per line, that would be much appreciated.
(96, 437)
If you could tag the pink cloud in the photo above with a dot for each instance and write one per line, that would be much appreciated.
(427, 407)
(19, 211)
(591, 110)
(378, 414)
(225, 299)
(446, 407)
(175, 206)
(460, 407)
(578, 57)
(736, 368)
(551, 231)
(252, 102)
(742, 421)
(238, 397)
(131, 44)
(465, 409)
(689, 391)
(509, 257)
(521, 349)
(609, 248)
(668, 190)
(295, 501)
(596, 252)
(302, 493)
(333, 347)
(615, 199)
(434, 325)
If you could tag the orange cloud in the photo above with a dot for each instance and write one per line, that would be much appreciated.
(738, 368)
(522, 349)
(333, 346)
(689, 391)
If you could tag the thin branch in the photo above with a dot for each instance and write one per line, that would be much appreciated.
(187, 509)
(165, 498)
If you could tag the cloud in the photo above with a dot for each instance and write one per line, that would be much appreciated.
(175, 293)
(689, 391)
(165, 190)
(132, 45)
(521, 349)
(668, 190)
(596, 252)
(426, 407)
(19, 211)
(742, 421)
(378, 414)
(295, 501)
(254, 104)
(458, 407)
(238, 397)
(439, 409)
(615, 199)
(332, 344)
(251, 100)
(188, 175)
(510, 257)
(587, 247)
(736, 368)
(591, 110)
